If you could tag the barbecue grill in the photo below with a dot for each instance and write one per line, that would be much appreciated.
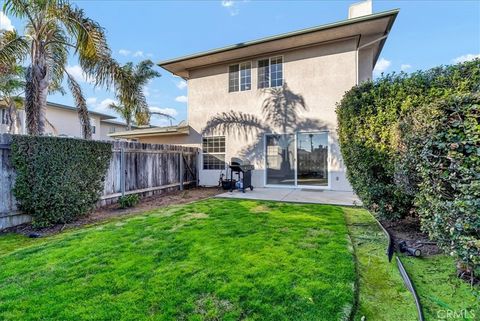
(243, 169)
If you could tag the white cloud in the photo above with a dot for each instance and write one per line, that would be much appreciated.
(405, 67)
(231, 6)
(381, 66)
(466, 57)
(77, 73)
(5, 22)
(228, 3)
(181, 99)
(149, 55)
(102, 106)
(92, 101)
(146, 91)
(138, 53)
(182, 84)
(124, 52)
(169, 111)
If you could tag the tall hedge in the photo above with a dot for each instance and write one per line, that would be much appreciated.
(369, 117)
(58, 179)
(442, 140)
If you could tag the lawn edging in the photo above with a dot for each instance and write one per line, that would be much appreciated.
(380, 286)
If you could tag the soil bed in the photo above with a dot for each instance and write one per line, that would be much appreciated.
(113, 210)
(408, 230)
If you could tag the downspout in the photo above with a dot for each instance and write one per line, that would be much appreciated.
(364, 46)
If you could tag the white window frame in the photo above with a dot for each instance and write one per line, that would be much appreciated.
(239, 79)
(270, 71)
(224, 153)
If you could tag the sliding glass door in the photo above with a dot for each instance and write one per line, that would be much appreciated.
(297, 159)
(280, 159)
(312, 159)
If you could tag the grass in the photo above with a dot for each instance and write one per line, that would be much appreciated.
(383, 295)
(210, 260)
(440, 290)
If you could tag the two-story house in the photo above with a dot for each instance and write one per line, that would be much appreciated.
(272, 101)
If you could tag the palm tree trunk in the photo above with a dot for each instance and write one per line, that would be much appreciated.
(36, 91)
(12, 118)
(129, 125)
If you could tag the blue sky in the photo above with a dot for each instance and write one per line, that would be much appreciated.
(425, 34)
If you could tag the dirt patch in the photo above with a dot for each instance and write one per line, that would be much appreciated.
(408, 230)
(208, 303)
(193, 216)
(146, 204)
(260, 209)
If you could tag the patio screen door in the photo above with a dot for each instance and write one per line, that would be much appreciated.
(297, 159)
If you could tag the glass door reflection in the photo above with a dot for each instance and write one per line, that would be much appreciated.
(280, 159)
(312, 159)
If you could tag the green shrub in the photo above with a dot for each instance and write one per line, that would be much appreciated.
(443, 141)
(128, 200)
(58, 179)
(369, 118)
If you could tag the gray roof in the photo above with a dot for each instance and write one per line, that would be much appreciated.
(72, 108)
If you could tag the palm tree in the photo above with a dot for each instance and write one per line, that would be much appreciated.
(11, 88)
(130, 81)
(54, 28)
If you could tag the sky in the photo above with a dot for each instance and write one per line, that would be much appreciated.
(426, 34)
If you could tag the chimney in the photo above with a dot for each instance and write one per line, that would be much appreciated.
(360, 9)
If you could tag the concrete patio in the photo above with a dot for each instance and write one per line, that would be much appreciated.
(297, 195)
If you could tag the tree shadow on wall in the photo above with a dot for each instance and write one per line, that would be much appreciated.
(280, 114)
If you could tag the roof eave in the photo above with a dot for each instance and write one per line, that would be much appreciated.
(138, 133)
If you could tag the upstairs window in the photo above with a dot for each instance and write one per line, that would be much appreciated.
(270, 72)
(4, 116)
(213, 152)
(240, 77)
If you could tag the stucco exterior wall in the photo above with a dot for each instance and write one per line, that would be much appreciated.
(318, 75)
(106, 127)
(66, 122)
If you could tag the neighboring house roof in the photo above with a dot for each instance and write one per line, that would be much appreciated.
(60, 106)
(117, 122)
(378, 23)
(180, 129)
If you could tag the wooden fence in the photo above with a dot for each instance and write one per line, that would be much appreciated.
(135, 168)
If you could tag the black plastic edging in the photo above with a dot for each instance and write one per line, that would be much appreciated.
(403, 273)
(410, 287)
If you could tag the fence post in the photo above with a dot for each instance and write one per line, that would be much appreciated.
(181, 168)
(123, 171)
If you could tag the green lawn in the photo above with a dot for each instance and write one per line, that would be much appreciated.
(210, 260)
(440, 290)
(383, 296)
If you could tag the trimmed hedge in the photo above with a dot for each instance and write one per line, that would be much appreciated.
(443, 142)
(369, 118)
(58, 179)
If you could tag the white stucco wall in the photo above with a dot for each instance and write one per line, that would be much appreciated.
(66, 122)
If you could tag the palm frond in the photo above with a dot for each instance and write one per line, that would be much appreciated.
(81, 104)
(13, 47)
(158, 113)
(88, 37)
